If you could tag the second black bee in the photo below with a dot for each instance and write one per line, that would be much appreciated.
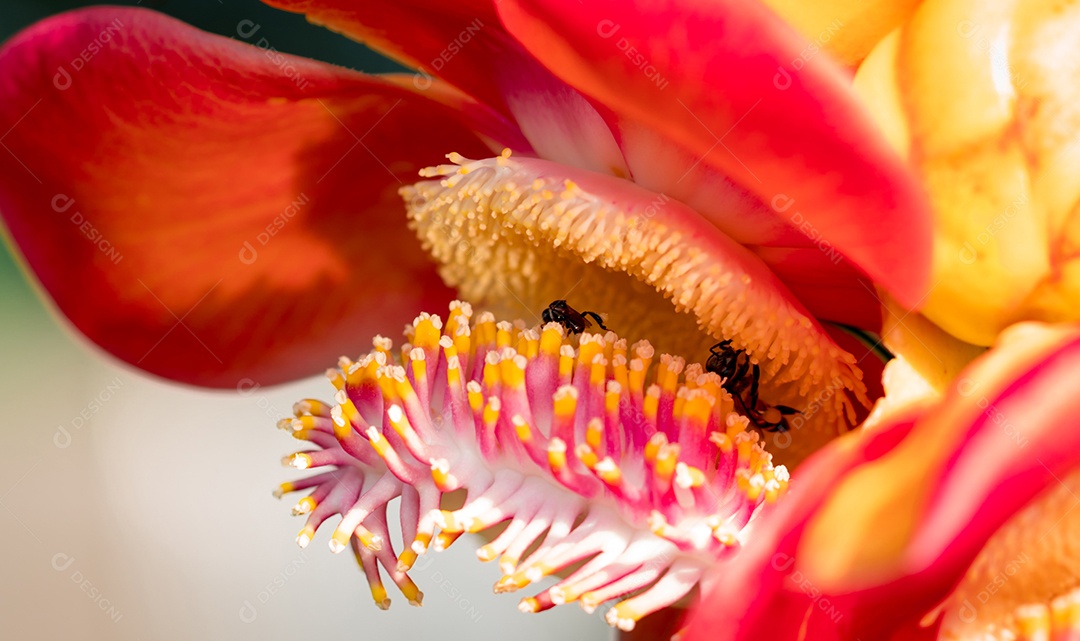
(741, 378)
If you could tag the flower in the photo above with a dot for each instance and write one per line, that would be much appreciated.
(211, 212)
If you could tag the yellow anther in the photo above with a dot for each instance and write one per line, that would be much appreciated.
(566, 362)
(586, 455)
(722, 441)
(529, 604)
(652, 403)
(551, 339)
(406, 560)
(736, 424)
(378, 592)
(304, 506)
(283, 489)
(524, 432)
(504, 334)
(305, 536)
(299, 460)
(476, 398)
(565, 402)
(428, 331)
(310, 406)
(400, 423)
(419, 365)
(444, 540)
(411, 592)
(1033, 622)
(608, 471)
(336, 378)
(688, 476)
(346, 418)
(463, 340)
(594, 433)
(512, 371)
(491, 412)
(653, 445)
(666, 459)
(598, 371)
(491, 371)
(485, 329)
(383, 345)
(557, 455)
(623, 616)
(589, 348)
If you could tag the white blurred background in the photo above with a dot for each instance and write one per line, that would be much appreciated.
(131, 508)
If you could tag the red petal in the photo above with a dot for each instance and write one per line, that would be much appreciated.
(464, 44)
(720, 79)
(825, 558)
(461, 42)
(209, 211)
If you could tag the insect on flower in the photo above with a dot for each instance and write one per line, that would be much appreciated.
(572, 320)
(741, 377)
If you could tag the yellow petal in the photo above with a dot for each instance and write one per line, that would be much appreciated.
(973, 94)
(847, 29)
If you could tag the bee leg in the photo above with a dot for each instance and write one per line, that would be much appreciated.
(754, 378)
(596, 317)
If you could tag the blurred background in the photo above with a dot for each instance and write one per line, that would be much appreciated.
(131, 508)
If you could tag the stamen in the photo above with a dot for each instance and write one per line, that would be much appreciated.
(651, 491)
(506, 223)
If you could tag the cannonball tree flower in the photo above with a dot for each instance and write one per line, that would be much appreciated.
(213, 214)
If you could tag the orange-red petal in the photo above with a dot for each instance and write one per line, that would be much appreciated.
(209, 211)
(881, 525)
(726, 81)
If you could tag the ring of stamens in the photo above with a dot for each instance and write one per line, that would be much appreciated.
(504, 224)
(589, 449)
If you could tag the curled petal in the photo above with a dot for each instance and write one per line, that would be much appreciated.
(464, 44)
(1001, 436)
(204, 211)
(845, 30)
(719, 79)
(971, 93)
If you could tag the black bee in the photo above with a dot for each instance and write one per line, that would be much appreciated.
(572, 320)
(741, 378)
